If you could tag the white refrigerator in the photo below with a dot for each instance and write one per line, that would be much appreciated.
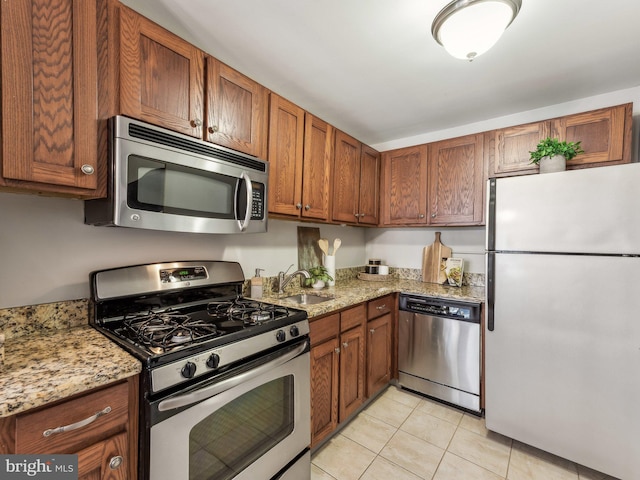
(562, 327)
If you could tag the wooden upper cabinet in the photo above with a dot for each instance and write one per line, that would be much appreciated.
(456, 181)
(346, 178)
(507, 150)
(356, 179)
(404, 186)
(50, 128)
(369, 201)
(161, 76)
(316, 171)
(237, 110)
(605, 135)
(286, 142)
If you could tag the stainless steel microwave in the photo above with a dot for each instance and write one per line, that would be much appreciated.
(162, 180)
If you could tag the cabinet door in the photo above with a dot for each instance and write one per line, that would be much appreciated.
(318, 159)
(49, 97)
(404, 186)
(286, 141)
(508, 152)
(369, 201)
(161, 76)
(604, 135)
(237, 110)
(346, 178)
(105, 460)
(351, 371)
(378, 353)
(456, 181)
(324, 389)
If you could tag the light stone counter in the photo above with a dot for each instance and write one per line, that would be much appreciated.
(350, 292)
(56, 364)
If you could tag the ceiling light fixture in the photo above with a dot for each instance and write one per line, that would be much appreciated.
(468, 28)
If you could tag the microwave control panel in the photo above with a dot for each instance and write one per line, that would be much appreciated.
(257, 203)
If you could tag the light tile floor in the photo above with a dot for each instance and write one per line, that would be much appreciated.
(403, 436)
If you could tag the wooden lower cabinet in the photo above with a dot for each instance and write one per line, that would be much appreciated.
(106, 446)
(349, 363)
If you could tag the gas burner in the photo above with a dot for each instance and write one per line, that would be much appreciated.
(164, 331)
(248, 312)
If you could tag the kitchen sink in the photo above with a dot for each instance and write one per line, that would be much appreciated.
(307, 299)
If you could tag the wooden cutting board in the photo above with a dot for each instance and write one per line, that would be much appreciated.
(431, 260)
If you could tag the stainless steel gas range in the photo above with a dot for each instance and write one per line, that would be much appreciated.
(225, 388)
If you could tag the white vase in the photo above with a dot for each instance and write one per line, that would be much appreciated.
(329, 262)
(556, 163)
(318, 284)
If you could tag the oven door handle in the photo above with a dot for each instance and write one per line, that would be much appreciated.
(217, 388)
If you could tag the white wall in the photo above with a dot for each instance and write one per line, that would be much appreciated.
(47, 252)
(402, 247)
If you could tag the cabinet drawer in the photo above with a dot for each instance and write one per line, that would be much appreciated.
(380, 306)
(31, 426)
(352, 318)
(324, 328)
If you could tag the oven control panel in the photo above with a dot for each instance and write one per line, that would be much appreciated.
(184, 274)
(207, 361)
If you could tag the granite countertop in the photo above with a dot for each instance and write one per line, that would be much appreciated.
(351, 292)
(43, 368)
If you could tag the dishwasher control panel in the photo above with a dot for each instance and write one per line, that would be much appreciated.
(440, 307)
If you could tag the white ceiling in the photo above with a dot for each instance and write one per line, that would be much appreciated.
(372, 68)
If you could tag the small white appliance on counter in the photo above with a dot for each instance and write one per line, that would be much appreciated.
(562, 338)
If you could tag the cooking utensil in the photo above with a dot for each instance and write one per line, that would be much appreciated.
(323, 243)
(336, 245)
(432, 265)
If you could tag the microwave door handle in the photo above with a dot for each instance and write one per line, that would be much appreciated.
(224, 385)
(247, 217)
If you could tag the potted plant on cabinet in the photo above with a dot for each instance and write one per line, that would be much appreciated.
(552, 154)
(319, 277)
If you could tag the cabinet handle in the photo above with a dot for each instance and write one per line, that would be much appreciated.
(298, 205)
(115, 462)
(196, 123)
(87, 169)
(345, 344)
(307, 207)
(381, 307)
(75, 426)
(213, 129)
(372, 331)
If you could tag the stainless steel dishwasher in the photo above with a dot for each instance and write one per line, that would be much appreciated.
(439, 349)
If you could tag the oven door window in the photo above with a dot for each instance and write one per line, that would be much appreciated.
(234, 436)
(164, 187)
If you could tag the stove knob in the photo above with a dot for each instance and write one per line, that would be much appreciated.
(281, 336)
(294, 331)
(213, 361)
(189, 370)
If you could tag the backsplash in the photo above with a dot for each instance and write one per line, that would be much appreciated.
(43, 318)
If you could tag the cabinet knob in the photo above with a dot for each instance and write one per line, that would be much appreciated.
(421, 216)
(381, 307)
(433, 215)
(337, 350)
(307, 207)
(115, 462)
(213, 129)
(372, 331)
(196, 123)
(356, 215)
(87, 169)
(345, 344)
(298, 205)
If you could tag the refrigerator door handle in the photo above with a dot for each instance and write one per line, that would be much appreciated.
(491, 260)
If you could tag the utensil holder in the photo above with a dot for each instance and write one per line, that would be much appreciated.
(329, 262)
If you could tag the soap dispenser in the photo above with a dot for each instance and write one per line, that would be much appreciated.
(256, 284)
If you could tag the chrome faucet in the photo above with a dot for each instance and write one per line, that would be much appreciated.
(283, 280)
